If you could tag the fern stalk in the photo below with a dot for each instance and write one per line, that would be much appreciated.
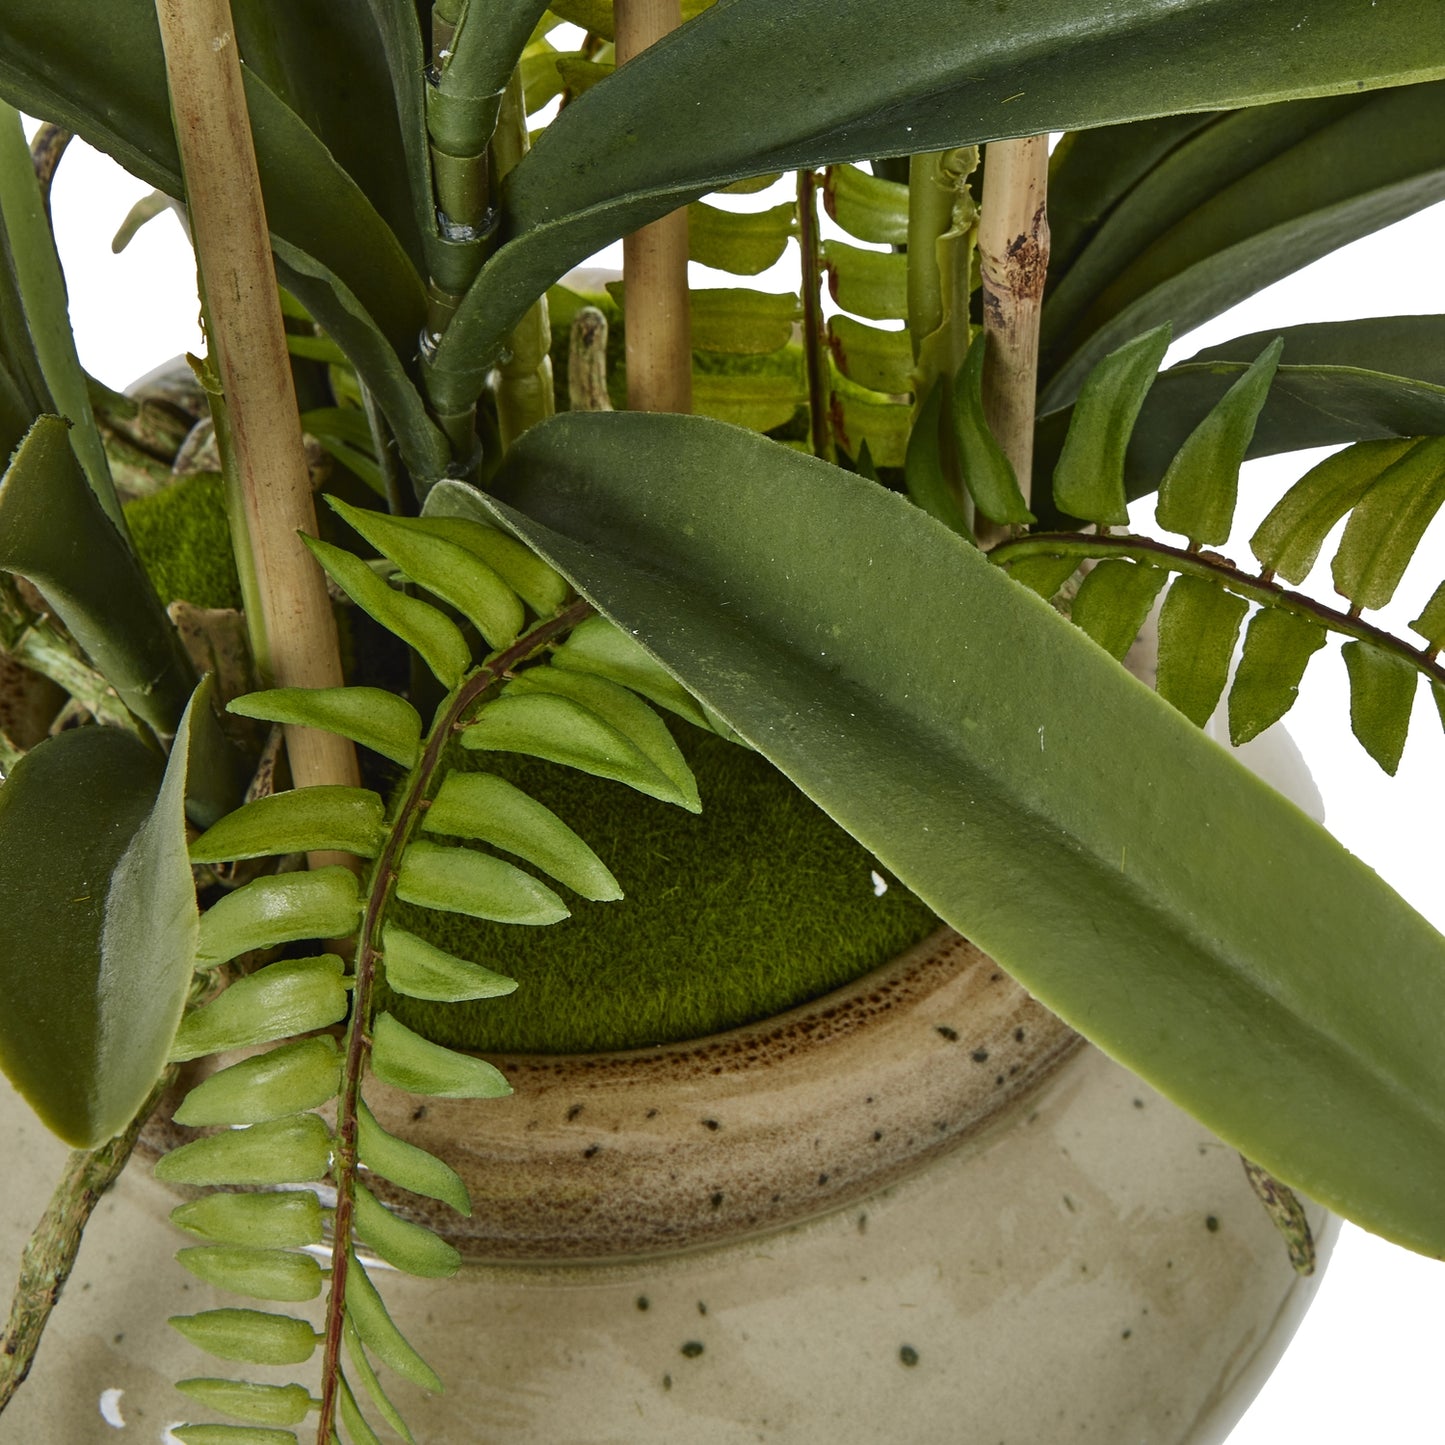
(228, 223)
(814, 337)
(382, 882)
(1013, 243)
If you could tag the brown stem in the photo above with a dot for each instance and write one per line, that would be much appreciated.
(654, 259)
(46, 148)
(587, 362)
(228, 222)
(814, 335)
(50, 1252)
(358, 1039)
(1013, 245)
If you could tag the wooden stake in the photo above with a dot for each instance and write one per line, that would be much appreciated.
(1013, 245)
(654, 259)
(228, 223)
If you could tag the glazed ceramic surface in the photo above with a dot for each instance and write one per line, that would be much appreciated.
(1059, 1256)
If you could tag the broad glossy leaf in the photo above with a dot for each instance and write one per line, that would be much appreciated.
(100, 926)
(1198, 626)
(280, 1221)
(1387, 524)
(291, 996)
(923, 472)
(267, 1274)
(1237, 205)
(987, 471)
(324, 903)
(462, 880)
(1289, 539)
(293, 1150)
(420, 625)
(1089, 476)
(1338, 381)
(421, 970)
(1128, 871)
(596, 646)
(880, 360)
(491, 810)
(1114, 599)
(563, 730)
(531, 578)
(296, 821)
(1430, 624)
(253, 1336)
(401, 1243)
(868, 283)
(371, 716)
(867, 206)
(1382, 693)
(407, 1061)
(1198, 492)
(54, 531)
(367, 1312)
(260, 1404)
(743, 242)
(935, 74)
(407, 1165)
(1277, 648)
(303, 1074)
(451, 571)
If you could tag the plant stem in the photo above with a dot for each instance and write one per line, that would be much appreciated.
(229, 226)
(1013, 244)
(814, 334)
(654, 259)
(47, 146)
(1223, 573)
(382, 881)
(50, 1252)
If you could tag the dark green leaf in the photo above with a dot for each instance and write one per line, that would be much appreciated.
(324, 903)
(278, 1221)
(376, 719)
(1387, 524)
(1089, 477)
(420, 625)
(987, 471)
(261, 1404)
(1277, 648)
(402, 1244)
(1131, 874)
(300, 1075)
(297, 821)
(1114, 599)
(447, 569)
(1198, 626)
(407, 1165)
(253, 1336)
(367, 1312)
(462, 880)
(1197, 495)
(1382, 692)
(491, 810)
(293, 1150)
(1288, 541)
(100, 926)
(267, 1274)
(1430, 624)
(743, 242)
(407, 1061)
(54, 531)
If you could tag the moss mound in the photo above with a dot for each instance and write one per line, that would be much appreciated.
(184, 542)
(759, 904)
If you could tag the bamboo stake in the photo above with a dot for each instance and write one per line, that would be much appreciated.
(1013, 244)
(654, 259)
(228, 224)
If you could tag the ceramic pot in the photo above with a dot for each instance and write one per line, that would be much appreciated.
(917, 1210)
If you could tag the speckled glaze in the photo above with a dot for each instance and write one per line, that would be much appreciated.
(916, 1211)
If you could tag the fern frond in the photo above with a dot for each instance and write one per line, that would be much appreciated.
(589, 710)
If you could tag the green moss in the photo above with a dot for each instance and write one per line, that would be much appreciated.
(757, 905)
(184, 543)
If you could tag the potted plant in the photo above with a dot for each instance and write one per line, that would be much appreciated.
(873, 619)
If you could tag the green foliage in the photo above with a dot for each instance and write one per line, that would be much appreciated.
(184, 542)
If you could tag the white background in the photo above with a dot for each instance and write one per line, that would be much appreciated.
(1367, 1363)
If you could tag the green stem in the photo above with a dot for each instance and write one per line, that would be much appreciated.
(1087, 546)
(380, 885)
(42, 291)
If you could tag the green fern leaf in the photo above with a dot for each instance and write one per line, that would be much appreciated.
(404, 1164)
(254, 1337)
(407, 1061)
(258, 1404)
(1430, 624)
(266, 1274)
(1114, 599)
(293, 1150)
(867, 283)
(1277, 648)
(462, 880)
(291, 1219)
(987, 471)
(324, 903)
(880, 360)
(923, 472)
(742, 242)
(293, 996)
(1198, 493)
(419, 970)
(1198, 625)
(867, 206)
(402, 1244)
(349, 820)
(373, 1324)
(1042, 574)
(231, 1435)
(290, 1079)
(378, 720)
(356, 1353)
(538, 585)
(356, 1425)
(1382, 693)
